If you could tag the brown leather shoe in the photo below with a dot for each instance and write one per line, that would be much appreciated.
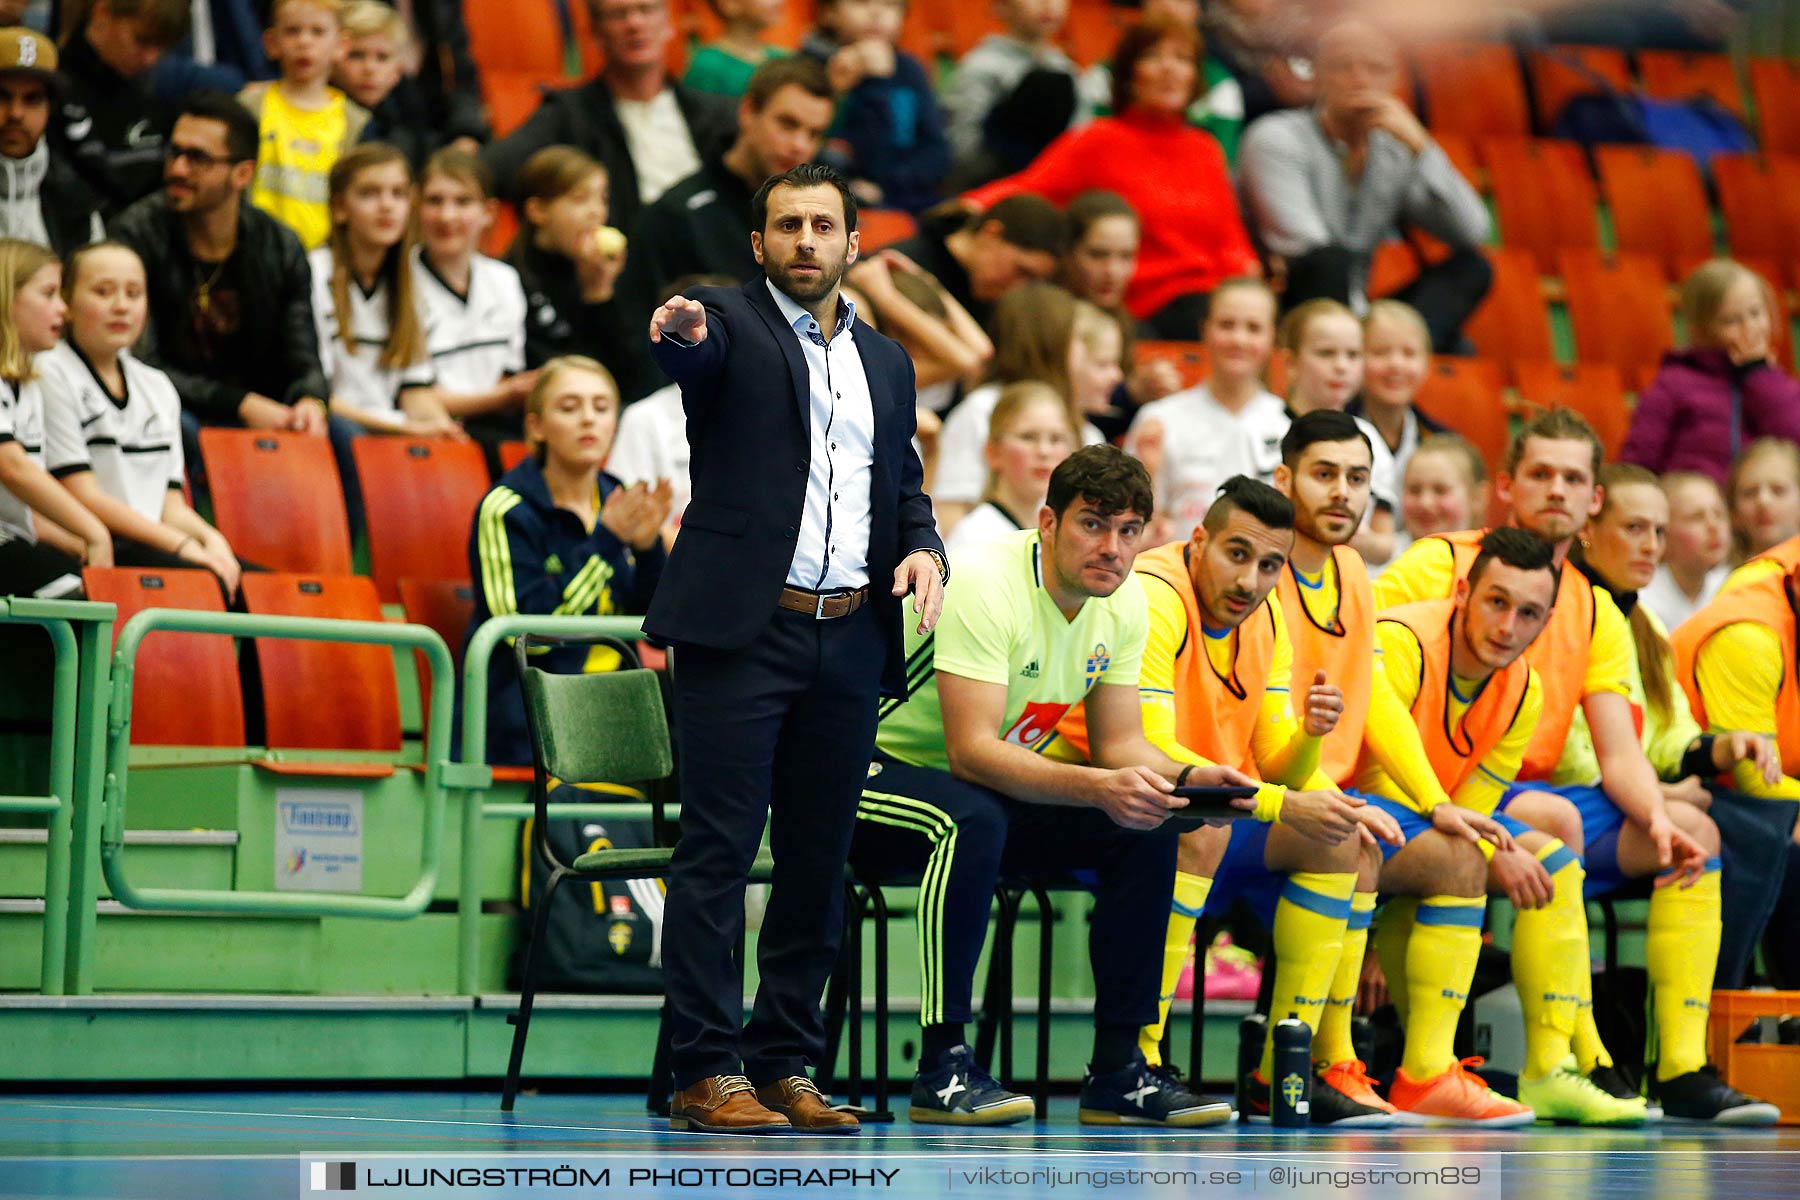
(797, 1098)
(722, 1104)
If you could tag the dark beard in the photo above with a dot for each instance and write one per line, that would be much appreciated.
(803, 291)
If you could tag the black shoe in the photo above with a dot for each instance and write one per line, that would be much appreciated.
(1333, 1106)
(1139, 1094)
(1612, 1081)
(1702, 1096)
(958, 1092)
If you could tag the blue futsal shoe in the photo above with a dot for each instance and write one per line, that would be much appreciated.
(1140, 1094)
(958, 1092)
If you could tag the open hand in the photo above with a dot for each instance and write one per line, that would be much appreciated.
(680, 316)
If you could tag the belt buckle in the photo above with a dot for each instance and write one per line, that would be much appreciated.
(819, 607)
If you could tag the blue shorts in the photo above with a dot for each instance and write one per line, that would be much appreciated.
(1412, 822)
(1243, 874)
(1601, 822)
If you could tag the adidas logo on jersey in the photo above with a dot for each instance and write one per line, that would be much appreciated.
(1030, 671)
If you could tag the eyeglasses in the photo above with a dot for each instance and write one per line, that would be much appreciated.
(199, 160)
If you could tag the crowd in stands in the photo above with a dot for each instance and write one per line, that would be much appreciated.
(302, 217)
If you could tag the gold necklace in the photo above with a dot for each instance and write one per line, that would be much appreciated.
(203, 292)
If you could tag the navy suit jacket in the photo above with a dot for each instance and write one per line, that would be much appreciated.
(746, 393)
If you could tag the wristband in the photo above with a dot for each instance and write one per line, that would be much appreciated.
(1181, 779)
(1699, 758)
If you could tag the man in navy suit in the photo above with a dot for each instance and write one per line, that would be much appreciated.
(807, 526)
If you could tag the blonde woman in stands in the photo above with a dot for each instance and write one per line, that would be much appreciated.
(1323, 342)
(371, 337)
(1196, 439)
(1764, 491)
(1037, 331)
(112, 423)
(558, 535)
(46, 535)
(1396, 359)
(1725, 389)
(1444, 490)
(1694, 567)
(1029, 435)
(473, 305)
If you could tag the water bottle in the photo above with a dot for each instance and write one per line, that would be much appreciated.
(1249, 1057)
(1290, 1091)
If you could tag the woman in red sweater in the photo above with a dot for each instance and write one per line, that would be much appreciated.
(1173, 174)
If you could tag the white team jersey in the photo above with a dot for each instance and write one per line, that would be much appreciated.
(133, 446)
(21, 421)
(1204, 444)
(475, 340)
(356, 377)
(652, 444)
(983, 524)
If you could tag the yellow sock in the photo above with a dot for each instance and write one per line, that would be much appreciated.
(1393, 933)
(1189, 902)
(1308, 939)
(1332, 1043)
(1550, 958)
(1590, 1051)
(1681, 951)
(1440, 964)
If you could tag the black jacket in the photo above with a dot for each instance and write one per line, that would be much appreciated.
(276, 322)
(584, 117)
(70, 209)
(558, 321)
(701, 226)
(448, 79)
(745, 390)
(110, 128)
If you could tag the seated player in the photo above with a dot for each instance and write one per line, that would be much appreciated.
(1214, 686)
(1329, 605)
(1549, 488)
(1038, 622)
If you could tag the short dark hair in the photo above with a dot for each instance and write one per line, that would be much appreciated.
(803, 176)
(802, 72)
(1138, 41)
(1241, 493)
(1029, 222)
(241, 133)
(1321, 425)
(1106, 477)
(1556, 425)
(1513, 548)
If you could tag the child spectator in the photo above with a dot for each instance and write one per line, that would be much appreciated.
(724, 67)
(1028, 436)
(1693, 568)
(1013, 93)
(1764, 491)
(372, 73)
(371, 338)
(558, 535)
(1102, 257)
(979, 257)
(1444, 489)
(46, 535)
(946, 344)
(1396, 357)
(1229, 424)
(112, 424)
(1173, 175)
(1038, 336)
(1323, 342)
(305, 123)
(473, 306)
(1724, 390)
(569, 260)
(889, 135)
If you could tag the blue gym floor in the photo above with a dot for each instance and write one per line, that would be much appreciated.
(241, 1145)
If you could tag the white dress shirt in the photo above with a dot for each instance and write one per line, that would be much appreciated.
(832, 551)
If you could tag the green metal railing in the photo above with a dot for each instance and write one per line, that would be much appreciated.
(314, 629)
(472, 776)
(78, 632)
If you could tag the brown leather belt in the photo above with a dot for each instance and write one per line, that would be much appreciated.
(824, 606)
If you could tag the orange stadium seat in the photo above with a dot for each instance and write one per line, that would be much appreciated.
(419, 496)
(883, 227)
(1555, 79)
(1473, 89)
(1680, 74)
(199, 668)
(1189, 358)
(1775, 83)
(512, 454)
(324, 695)
(1466, 395)
(698, 22)
(1595, 390)
(519, 48)
(1392, 267)
(277, 498)
(1759, 196)
(1092, 31)
(1543, 196)
(445, 606)
(1460, 150)
(1512, 322)
(1620, 309)
(1658, 204)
